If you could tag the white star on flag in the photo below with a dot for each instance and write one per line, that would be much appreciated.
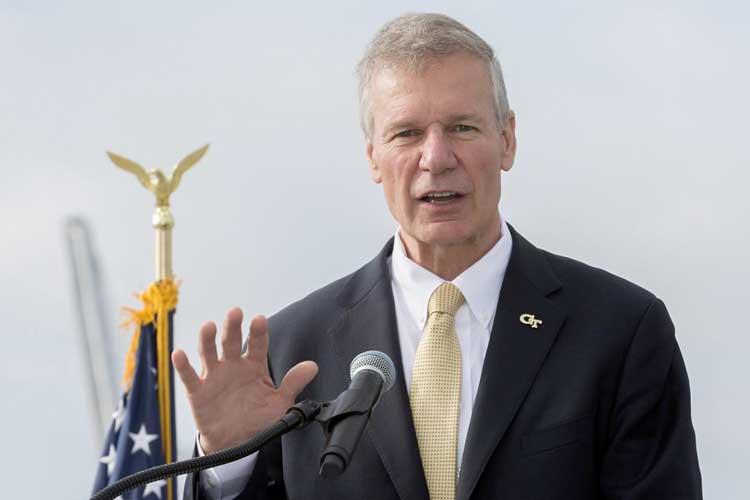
(109, 459)
(154, 488)
(119, 415)
(142, 440)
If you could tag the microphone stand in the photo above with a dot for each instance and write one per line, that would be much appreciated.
(328, 414)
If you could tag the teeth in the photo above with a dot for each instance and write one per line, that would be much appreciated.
(440, 196)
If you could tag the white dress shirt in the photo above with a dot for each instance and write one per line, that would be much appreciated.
(412, 286)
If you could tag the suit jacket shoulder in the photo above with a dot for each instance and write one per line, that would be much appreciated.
(596, 283)
(608, 303)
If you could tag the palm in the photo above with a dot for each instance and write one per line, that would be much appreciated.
(234, 398)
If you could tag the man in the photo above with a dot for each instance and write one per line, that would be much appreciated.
(521, 374)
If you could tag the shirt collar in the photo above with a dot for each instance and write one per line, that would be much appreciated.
(480, 283)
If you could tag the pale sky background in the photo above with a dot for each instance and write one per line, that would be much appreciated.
(632, 127)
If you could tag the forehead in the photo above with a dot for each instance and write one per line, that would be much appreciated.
(458, 84)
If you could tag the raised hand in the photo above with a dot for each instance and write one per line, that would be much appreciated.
(234, 397)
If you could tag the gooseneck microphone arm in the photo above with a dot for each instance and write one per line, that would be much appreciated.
(298, 416)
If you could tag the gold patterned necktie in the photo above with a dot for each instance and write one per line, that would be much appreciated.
(436, 392)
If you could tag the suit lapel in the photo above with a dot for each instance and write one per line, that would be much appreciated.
(515, 353)
(370, 323)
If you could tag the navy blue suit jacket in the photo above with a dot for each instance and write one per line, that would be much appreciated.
(592, 404)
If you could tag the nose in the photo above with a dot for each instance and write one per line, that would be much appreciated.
(437, 151)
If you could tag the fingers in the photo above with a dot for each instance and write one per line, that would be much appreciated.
(297, 378)
(257, 342)
(231, 336)
(187, 374)
(207, 346)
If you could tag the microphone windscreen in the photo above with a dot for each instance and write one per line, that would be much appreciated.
(377, 362)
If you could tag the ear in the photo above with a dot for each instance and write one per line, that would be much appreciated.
(509, 135)
(377, 178)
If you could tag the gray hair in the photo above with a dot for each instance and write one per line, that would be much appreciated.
(411, 42)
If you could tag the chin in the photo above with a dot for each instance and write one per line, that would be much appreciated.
(445, 234)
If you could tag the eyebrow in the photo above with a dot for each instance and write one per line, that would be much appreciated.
(463, 117)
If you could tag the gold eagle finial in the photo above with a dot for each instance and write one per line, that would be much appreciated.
(154, 180)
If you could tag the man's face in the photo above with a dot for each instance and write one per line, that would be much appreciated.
(438, 150)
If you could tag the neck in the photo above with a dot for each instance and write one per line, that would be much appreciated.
(450, 260)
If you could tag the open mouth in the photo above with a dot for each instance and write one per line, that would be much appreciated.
(440, 197)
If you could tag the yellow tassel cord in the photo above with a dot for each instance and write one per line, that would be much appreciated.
(158, 301)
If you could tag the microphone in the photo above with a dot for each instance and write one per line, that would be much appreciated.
(372, 373)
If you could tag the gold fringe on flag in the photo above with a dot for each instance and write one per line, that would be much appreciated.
(158, 300)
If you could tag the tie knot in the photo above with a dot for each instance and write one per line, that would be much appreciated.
(446, 298)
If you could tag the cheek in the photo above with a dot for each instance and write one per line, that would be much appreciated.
(391, 190)
(492, 187)
(397, 180)
(487, 185)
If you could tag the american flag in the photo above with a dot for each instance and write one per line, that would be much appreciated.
(134, 441)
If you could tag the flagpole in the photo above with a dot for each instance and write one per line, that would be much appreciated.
(163, 222)
(163, 293)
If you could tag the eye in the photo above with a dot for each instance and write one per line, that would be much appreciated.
(406, 133)
(463, 128)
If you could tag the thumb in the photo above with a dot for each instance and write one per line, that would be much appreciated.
(297, 378)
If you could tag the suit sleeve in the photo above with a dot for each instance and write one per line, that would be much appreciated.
(651, 451)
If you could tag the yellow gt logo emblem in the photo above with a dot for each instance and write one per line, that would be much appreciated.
(529, 319)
